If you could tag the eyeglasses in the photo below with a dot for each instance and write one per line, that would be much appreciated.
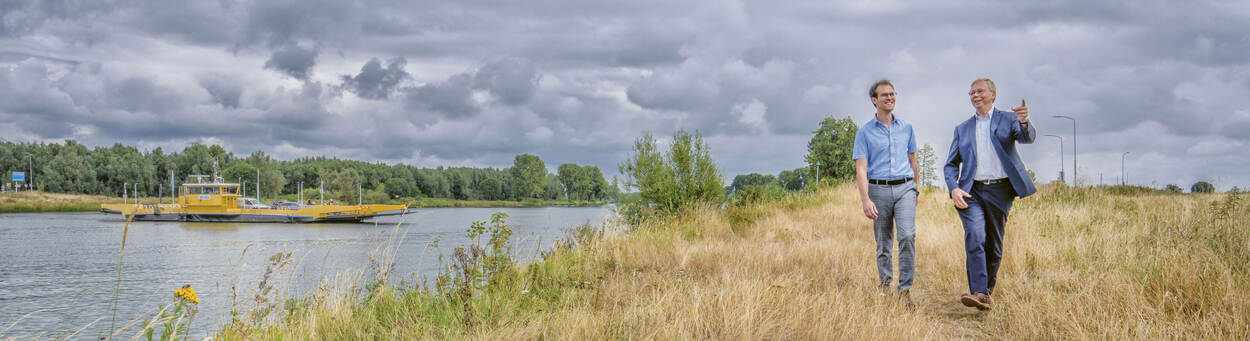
(977, 92)
(885, 94)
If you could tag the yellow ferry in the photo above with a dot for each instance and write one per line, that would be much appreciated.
(219, 201)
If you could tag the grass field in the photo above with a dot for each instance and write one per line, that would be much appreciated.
(1079, 264)
(35, 201)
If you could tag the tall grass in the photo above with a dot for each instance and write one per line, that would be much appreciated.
(1079, 264)
(35, 201)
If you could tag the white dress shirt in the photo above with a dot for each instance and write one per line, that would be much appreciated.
(989, 166)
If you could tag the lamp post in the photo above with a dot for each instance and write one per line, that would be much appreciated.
(818, 173)
(30, 172)
(1061, 177)
(1075, 175)
(1123, 181)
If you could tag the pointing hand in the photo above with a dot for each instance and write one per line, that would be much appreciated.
(1022, 112)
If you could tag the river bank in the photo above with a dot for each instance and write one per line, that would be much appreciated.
(444, 203)
(36, 201)
(803, 268)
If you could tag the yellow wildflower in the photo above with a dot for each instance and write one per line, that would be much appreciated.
(187, 293)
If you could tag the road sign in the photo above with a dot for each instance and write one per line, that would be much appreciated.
(19, 176)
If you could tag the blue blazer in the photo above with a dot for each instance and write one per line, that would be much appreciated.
(1006, 132)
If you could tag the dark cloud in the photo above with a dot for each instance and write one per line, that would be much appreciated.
(225, 89)
(293, 60)
(452, 98)
(514, 80)
(376, 82)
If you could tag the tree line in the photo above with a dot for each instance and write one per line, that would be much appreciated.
(75, 169)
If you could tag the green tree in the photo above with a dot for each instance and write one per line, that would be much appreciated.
(743, 180)
(554, 189)
(400, 187)
(568, 174)
(491, 189)
(1202, 187)
(459, 186)
(926, 158)
(598, 184)
(669, 183)
(831, 147)
(341, 185)
(529, 173)
(794, 179)
(241, 172)
(69, 171)
(1174, 188)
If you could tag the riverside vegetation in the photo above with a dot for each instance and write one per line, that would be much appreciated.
(1080, 263)
(36, 201)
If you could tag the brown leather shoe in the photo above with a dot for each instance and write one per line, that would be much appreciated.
(975, 300)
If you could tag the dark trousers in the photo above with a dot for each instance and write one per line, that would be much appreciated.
(984, 220)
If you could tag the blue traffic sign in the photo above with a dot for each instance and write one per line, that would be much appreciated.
(19, 176)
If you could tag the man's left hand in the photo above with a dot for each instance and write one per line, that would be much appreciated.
(1022, 112)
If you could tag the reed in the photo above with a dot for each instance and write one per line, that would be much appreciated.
(1079, 264)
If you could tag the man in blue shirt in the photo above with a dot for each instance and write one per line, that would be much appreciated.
(885, 165)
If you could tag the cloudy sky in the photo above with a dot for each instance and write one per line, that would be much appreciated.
(473, 83)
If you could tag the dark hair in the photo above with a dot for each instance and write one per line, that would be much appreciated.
(872, 92)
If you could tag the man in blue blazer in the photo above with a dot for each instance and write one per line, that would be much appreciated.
(984, 175)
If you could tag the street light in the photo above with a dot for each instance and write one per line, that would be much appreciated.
(1075, 175)
(30, 172)
(1061, 178)
(1122, 179)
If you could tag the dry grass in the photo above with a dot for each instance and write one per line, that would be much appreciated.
(1079, 264)
(36, 201)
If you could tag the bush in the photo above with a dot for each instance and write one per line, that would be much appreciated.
(669, 183)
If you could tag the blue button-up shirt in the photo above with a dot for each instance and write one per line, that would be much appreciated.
(886, 148)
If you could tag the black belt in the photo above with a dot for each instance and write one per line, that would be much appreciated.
(991, 181)
(889, 182)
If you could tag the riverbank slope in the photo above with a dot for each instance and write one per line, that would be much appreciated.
(1079, 264)
(36, 201)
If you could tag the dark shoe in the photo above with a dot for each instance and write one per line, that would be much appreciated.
(905, 298)
(985, 301)
(976, 300)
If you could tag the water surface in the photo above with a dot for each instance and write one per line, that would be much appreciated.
(58, 271)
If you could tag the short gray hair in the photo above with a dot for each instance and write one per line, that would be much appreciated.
(988, 82)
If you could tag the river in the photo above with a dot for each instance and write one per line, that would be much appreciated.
(58, 271)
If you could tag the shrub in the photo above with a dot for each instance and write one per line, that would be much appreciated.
(669, 183)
